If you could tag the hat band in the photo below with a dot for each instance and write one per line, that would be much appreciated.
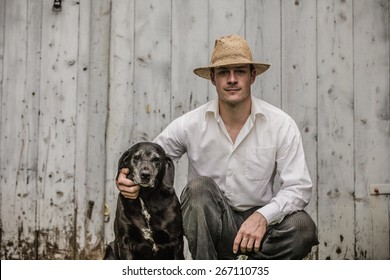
(230, 60)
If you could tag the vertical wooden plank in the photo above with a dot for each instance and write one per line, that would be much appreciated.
(335, 130)
(82, 125)
(33, 76)
(57, 132)
(372, 122)
(299, 79)
(14, 82)
(2, 37)
(120, 122)
(19, 119)
(92, 91)
(263, 35)
(152, 74)
(97, 118)
(2, 25)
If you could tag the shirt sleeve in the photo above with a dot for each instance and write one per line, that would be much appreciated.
(172, 139)
(296, 185)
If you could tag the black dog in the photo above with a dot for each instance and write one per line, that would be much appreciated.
(149, 227)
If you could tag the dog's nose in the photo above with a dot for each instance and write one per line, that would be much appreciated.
(145, 174)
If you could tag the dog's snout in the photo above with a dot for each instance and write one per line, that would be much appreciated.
(145, 174)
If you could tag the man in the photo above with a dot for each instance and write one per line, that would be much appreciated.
(235, 145)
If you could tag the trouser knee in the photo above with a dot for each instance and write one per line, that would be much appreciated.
(199, 189)
(305, 233)
(304, 225)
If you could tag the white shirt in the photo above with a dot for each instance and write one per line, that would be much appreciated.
(269, 141)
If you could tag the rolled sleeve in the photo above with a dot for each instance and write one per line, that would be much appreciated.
(172, 140)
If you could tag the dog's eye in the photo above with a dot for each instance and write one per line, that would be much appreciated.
(136, 157)
(155, 159)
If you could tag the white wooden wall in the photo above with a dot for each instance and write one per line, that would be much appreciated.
(78, 87)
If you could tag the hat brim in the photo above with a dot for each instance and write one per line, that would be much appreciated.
(204, 72)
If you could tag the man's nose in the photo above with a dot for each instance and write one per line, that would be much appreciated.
(232, 77)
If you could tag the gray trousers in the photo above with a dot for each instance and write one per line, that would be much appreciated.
(211, 225)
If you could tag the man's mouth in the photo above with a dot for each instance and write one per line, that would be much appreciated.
(232, 89)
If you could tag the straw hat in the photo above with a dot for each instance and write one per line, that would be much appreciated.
(230, 50)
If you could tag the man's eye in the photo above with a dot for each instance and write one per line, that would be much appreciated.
(222, 72)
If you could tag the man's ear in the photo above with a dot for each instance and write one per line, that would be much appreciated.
(253, 76)
(212, 76)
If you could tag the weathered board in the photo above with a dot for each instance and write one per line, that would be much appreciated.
(19, 128)
(91, 127)
(80, 86)
(372, 127)
(335, 129)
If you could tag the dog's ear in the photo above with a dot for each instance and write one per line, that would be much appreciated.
(169, 174)
(122, 162)
(123, 159)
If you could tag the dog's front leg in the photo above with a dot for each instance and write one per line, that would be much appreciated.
(125, 250)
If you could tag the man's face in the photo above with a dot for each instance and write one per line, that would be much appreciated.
(233, 83)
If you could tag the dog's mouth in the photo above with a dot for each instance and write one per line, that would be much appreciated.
(144, 184)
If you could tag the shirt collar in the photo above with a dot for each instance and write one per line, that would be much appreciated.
(212, 109)
(257, 109)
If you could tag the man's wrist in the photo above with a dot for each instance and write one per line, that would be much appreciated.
(262, 220)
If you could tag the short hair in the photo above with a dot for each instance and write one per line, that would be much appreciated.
(251, 68)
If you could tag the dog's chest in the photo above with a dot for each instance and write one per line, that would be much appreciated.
(146, 230)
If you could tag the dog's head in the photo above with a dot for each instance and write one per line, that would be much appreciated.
(148, 164)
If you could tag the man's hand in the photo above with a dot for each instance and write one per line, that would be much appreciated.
(126, 186)
(250, 234)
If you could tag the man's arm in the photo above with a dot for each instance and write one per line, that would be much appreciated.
(296, 185)
(294, 195)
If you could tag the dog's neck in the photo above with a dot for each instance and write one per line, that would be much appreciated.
(147, 192)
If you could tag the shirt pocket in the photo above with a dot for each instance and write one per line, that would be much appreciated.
(260, 163)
